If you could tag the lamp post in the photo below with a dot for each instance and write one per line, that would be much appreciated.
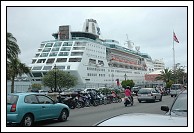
(112, 79)
(125, 76)
(55, 78)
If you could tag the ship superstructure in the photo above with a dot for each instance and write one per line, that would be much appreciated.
(96, 62)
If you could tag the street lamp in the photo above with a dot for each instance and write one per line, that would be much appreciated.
(112, 79)
(55, 78)
(125, 76)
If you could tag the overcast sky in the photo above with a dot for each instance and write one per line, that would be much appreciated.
(151, 28)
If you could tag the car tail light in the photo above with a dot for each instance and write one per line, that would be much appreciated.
(13, 108)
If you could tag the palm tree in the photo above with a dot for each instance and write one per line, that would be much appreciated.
(166, 75)
(12, 47)
(178, 75)
(15, 68)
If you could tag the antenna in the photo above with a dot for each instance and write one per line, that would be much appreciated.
(137, 48)
(129, 43)
(127, 37)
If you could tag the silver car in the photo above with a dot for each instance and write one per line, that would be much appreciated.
(149, 94)
(176, 89)
(176, 116)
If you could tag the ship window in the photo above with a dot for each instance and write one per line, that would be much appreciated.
(37, 74)
(58, 44)
(37, 68)
(60, 67)
(37, 55)
(39, 50)
(55, 49)
(47, 67)
(65, 48)
(61, 59)
(41, 61)
(67, 44)
(46, 50)
(76, 53)
(68, 67)
(100, 62)
(50, 60)
(44, 73)
(63, 54)
(80, 44)
(53, 54)
(44, 55)
(78, 48)
(49, 45)
(33, 61)
(75, 59)
(92, 61)
(42, 45)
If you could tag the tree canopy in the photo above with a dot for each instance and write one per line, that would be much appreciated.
(59, 78)
(12, 47)
(126, 83)
(15, 68)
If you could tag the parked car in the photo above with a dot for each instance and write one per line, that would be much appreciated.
(176, 89)
(89, 89)
(43, 91)
(26, 108)
(179, 106)
(149, 94)
(136, 89)
(175, 116)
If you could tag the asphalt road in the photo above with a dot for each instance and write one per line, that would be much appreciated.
(88, 116)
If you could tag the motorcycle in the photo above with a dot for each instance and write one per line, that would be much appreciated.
(128, 101)
(68, 100)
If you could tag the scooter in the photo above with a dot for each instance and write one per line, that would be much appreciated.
(128, 101)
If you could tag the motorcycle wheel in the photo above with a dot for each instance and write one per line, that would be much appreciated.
(105, 102)
(120, 100)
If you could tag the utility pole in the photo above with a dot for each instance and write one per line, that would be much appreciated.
(125, 76)
(55, 78)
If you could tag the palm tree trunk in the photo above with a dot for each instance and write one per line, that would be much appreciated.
(12, 84)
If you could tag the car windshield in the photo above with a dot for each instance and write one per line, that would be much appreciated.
(11, 99)
(180, 105)
(144, 91)
(175, 87)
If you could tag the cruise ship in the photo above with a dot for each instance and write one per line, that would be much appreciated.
(95, 61)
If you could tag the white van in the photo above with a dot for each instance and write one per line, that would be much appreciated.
(176, 89)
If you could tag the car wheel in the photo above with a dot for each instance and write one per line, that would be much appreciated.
(27, 120)
(160, 98)
(154, 100)
(63, 116)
